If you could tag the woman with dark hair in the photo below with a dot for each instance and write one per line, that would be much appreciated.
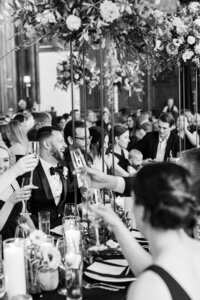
(164, 209)
(121, 140)
(96, 147)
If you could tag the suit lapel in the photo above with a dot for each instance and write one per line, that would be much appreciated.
(45, 182)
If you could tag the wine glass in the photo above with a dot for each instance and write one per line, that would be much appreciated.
(61, 246)
(33, 148)
(94, 200)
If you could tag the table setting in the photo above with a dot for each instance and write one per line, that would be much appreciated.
(79, 259)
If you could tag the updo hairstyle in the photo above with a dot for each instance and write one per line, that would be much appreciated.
(164, 189)
(117, 132)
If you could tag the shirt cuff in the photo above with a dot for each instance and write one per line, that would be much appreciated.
(120, 186)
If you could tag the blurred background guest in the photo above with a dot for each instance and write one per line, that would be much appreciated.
(18, 139)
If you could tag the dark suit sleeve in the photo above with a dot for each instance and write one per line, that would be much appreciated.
(142, 145)
(128, 186)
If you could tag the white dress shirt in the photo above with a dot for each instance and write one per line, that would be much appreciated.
(55, 182)
(162, 144)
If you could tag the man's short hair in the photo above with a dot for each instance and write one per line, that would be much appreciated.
(68, 130)
(45, 132)
(167, 118)
(43, 118)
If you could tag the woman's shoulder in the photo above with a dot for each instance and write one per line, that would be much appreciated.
(148, 286)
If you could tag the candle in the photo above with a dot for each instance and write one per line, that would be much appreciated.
(72, 237)
(14, 258)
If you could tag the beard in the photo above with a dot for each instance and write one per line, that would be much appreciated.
(56, 154)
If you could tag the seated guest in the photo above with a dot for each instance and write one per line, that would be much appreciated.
(158, 145)
(164, 208)
(50, 181)
(121, 140)
(135, 159)
(96, 146)
(18, 139)
(40, 119)
(187, 138)
(171, 107)
(12, 197)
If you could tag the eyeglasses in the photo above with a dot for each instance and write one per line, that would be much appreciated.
(83, 138)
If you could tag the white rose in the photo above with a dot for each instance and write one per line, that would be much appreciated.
(177, 22)
(171, 49)
(187, 55)
(197, 49)
(73, 22)
(177, 42)
(109, 11)
(191, 39)
(194, 6)
(197, 22)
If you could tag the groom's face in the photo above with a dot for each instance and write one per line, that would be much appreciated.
(57, 145)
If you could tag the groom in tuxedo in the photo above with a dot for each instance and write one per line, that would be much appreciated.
(49, 176)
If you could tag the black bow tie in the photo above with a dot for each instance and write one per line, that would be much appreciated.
(58, 170)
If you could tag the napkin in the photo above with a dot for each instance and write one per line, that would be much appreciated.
(57, 230)
(103, 268)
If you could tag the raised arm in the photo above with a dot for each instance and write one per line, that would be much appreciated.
(25, 164)
(137, 257)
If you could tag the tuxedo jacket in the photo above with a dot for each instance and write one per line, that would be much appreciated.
(42, 198)
(149, 143)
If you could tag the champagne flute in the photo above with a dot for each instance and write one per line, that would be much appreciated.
(94, 200)
(79, 165)
(33, 148)
(61, 246)
(26, 182)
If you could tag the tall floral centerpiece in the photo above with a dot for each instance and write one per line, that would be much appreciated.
(177, 37)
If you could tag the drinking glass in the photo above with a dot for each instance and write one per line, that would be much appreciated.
(33, 147)
(2, 279)
(94, 200)
(44, 221)
(79, 164)
(107, 197)
(61, 246)
(70, 209)
(74, 283)
(26, 182)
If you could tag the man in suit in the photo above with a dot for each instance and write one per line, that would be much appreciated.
(50, 180)
(161, 144)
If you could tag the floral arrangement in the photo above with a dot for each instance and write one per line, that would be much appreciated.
(177, 37)
(91, 72)
(47, 256)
